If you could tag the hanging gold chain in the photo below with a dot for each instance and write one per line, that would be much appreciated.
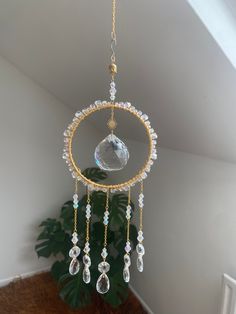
(113, 32)
(114, 18)
(88, 220)
(75, 209)
(141, 211)
(106, 226)
(113, 66)
(128, 220)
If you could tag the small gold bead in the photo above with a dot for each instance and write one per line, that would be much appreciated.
(113, 68)
(112, 124)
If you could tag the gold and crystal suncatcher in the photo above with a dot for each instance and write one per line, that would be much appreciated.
(111, 154)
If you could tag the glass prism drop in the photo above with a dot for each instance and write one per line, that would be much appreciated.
(103, 284)
(87, 260)
(127, 260)
(86, 275)
(74, 252)
(140, 249)
(140, 263)
(111, 154)
(74, 267)
(126, 274)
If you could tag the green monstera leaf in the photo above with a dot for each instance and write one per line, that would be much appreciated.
(55, 240)
(95, 174)
(74, 292)
(118, 206)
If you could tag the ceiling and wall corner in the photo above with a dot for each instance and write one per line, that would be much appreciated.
(169, 65)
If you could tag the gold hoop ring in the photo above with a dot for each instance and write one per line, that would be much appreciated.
(82, 115)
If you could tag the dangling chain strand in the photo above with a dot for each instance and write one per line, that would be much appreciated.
(75, 198)
(103, 282)
(86, 257)
(141, 208)
(128, 215)
(105, 221)
(75, 251)
(88, 215)
(113, 68)
(113, 32)
(140, 248)
(127, 260)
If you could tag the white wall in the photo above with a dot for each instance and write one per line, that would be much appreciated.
(190, 233)
(34, 180)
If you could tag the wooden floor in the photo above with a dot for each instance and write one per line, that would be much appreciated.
(39, 295)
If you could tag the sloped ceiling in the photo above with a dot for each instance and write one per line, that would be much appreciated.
(169, 65)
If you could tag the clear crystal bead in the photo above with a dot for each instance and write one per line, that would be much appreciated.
(154, 136)
(140, 249)
(74, 266)
(86, 249)
(66, 133)
(97, 102)
(74, 240)
(128, 247)
(105, 221)
(126, 274)
(104, 253)
(140, 263)
(127, 260)
(128, 216)
(141, 196)
(103, 284)
(111, 154)
(144, 117)
(140, 238)
(104, 267)
(74, 252)
(87, 260)
(86, 275)
(78, 114)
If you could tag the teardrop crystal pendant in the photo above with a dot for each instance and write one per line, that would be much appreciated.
(140, 263)
(111, 154)
(86, 275)
(103, 284)
(74, 267)
(126, 274)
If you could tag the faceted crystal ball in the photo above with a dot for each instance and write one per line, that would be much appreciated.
(111, 154)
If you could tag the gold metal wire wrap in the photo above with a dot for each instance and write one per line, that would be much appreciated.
(100, 186)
